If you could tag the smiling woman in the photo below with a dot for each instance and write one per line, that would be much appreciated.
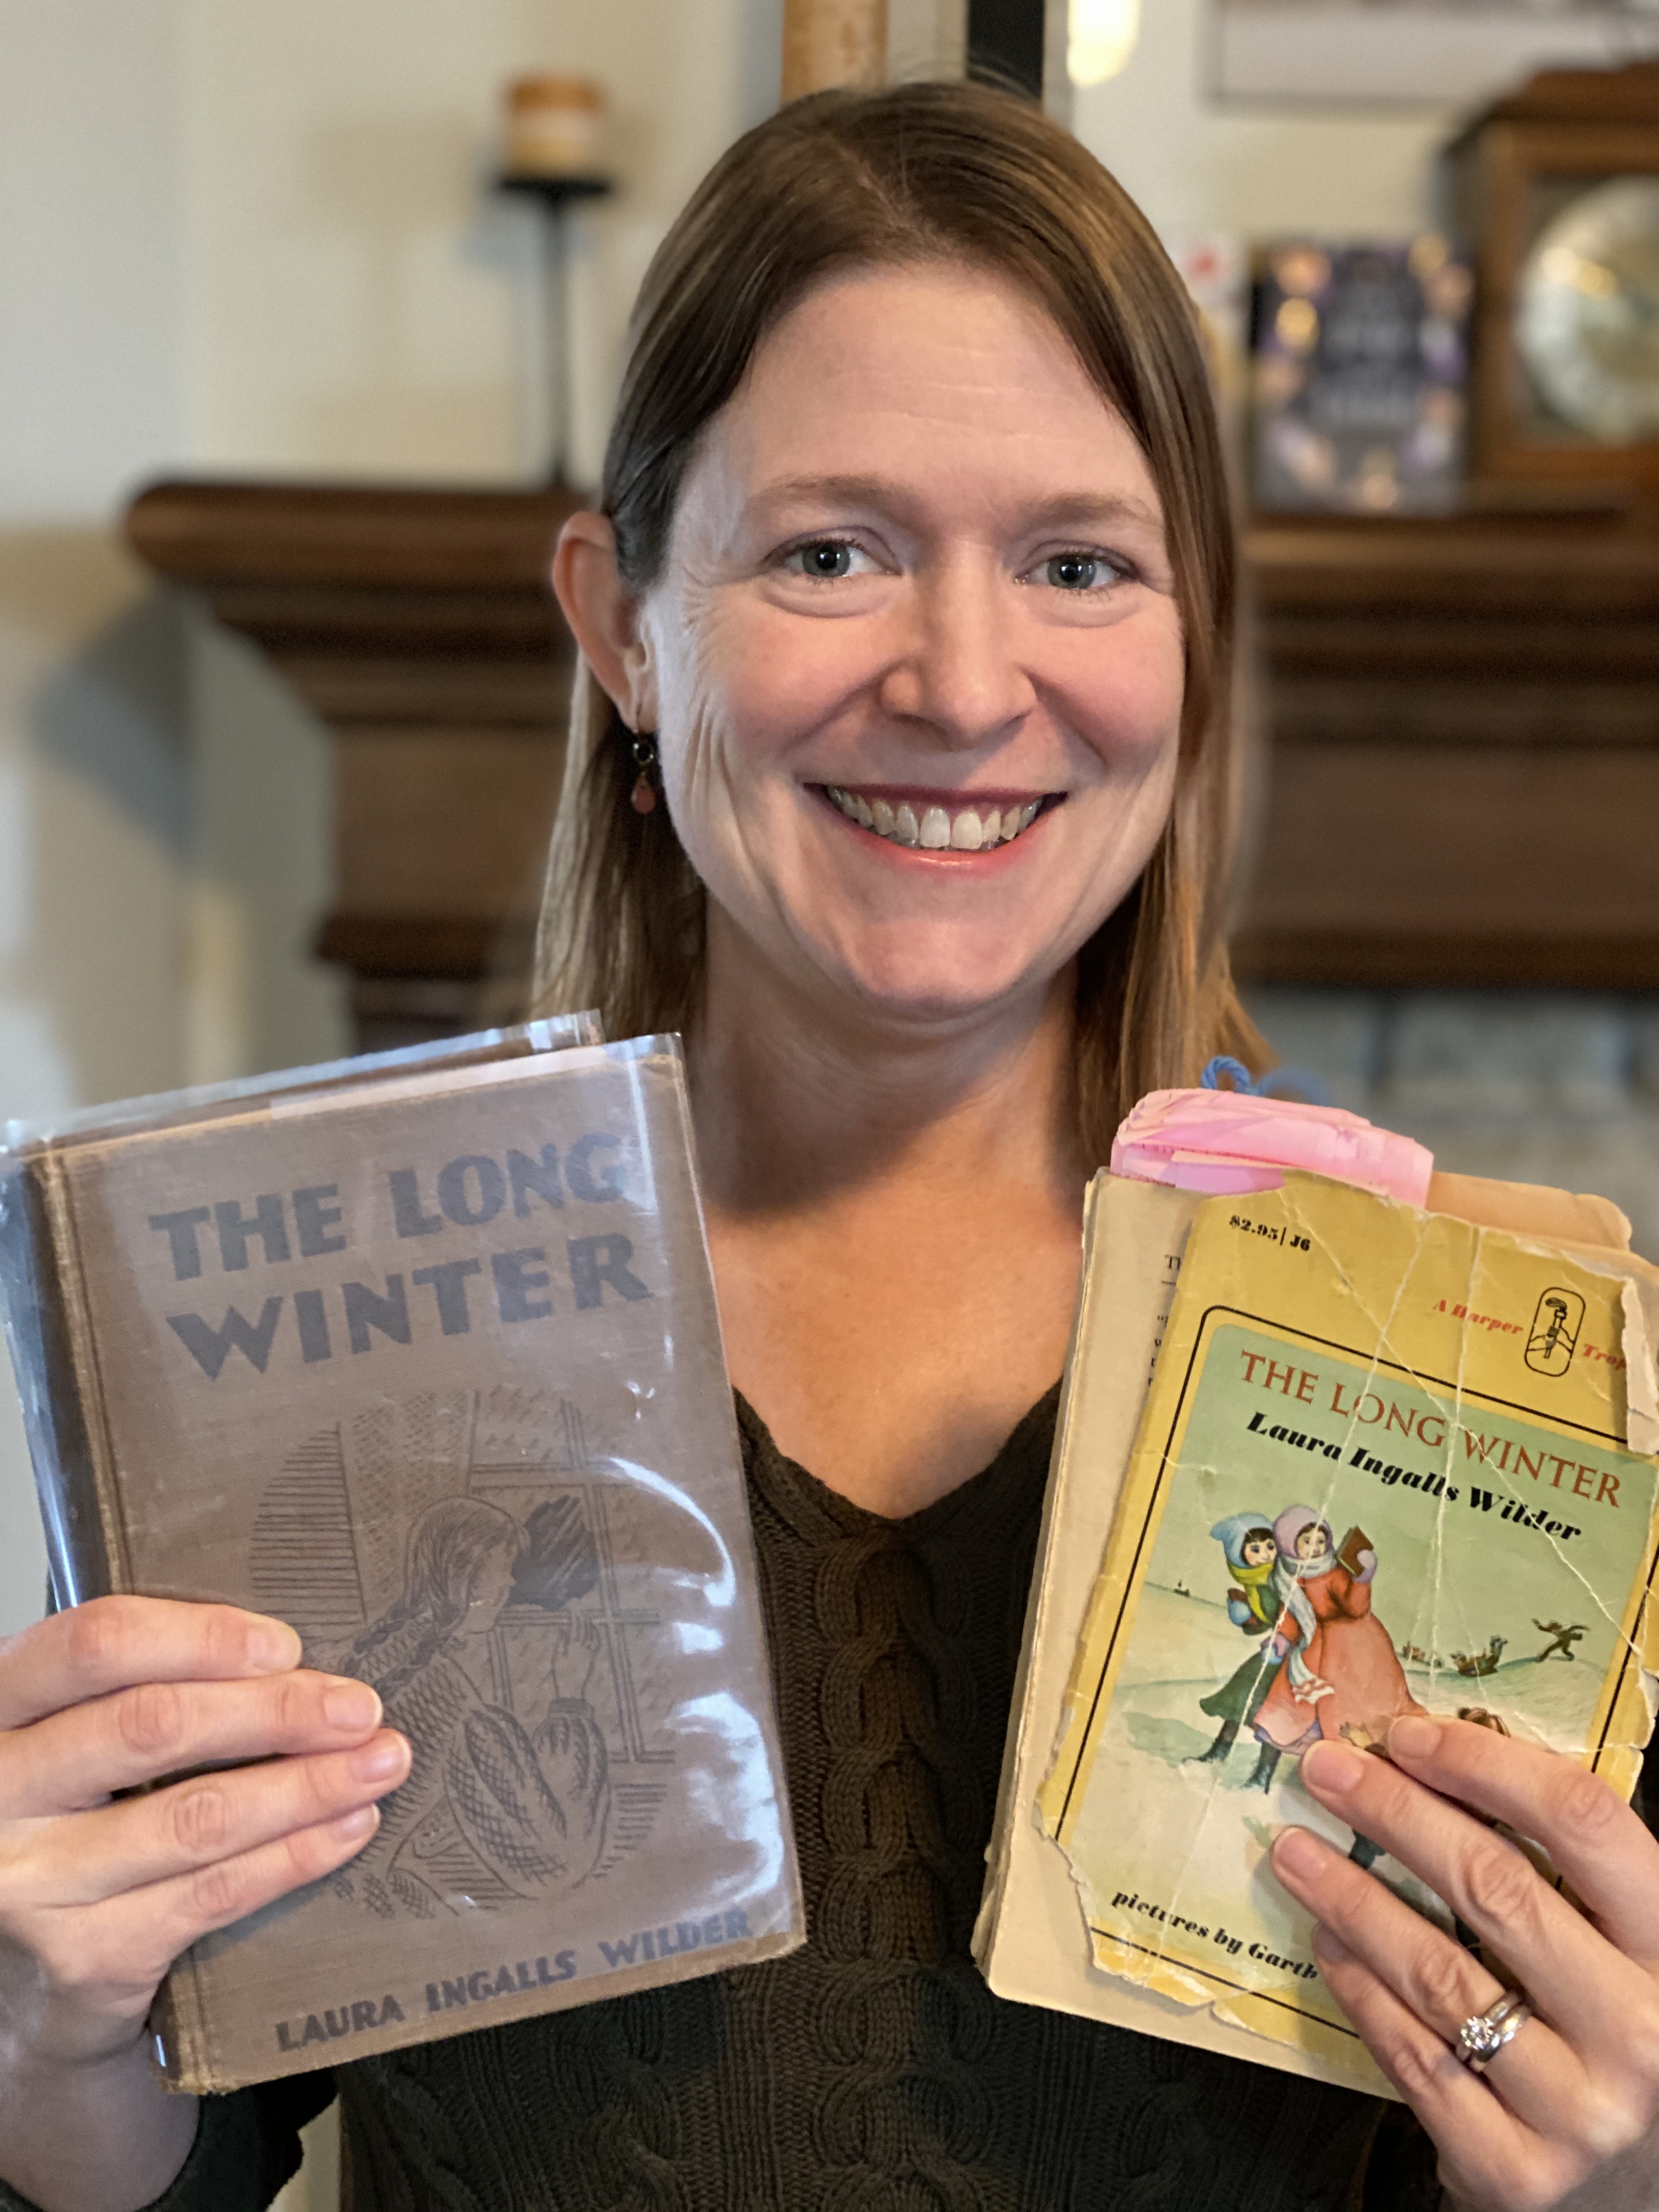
(1055, 423)
(911, 584)
(975, 618)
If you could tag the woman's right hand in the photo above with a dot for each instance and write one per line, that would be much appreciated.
(99, 1892)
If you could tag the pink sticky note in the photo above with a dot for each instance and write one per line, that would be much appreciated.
(1229, 1141)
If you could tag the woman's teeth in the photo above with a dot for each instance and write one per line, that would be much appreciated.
(936, 829)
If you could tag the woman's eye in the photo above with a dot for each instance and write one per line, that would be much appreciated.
(824, 559)
(1080, 572)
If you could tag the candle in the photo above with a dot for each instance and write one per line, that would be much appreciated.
(555, 126)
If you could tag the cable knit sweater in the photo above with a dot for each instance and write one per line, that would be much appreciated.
(872, 2070)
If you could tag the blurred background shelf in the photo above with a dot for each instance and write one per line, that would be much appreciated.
(1462, 717)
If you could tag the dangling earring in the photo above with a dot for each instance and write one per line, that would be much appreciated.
(643, 797)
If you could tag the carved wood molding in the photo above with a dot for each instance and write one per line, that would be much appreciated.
(1462, 788)
(351, 537)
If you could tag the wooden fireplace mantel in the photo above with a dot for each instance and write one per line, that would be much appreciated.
(420, 626)
(1462, 717)
(1463, 784)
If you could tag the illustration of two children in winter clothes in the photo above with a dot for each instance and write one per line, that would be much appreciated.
(1325, 1665)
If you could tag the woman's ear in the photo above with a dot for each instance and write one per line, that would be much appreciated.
(603, 616)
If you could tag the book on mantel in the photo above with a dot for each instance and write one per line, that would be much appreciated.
(1327, 1454)
(422, 1356)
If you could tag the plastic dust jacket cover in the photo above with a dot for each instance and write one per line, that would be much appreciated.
(424, 1359)
(1385, 1466)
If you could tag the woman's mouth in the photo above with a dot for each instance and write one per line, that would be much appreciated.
(939, 822)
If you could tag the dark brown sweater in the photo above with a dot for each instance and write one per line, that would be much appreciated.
(871, 2071)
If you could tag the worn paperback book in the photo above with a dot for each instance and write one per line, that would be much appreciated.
(1324, 1458)
(423, 1357)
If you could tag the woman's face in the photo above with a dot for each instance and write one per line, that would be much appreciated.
(915, 662)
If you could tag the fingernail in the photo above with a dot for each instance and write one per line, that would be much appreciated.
(1414, 1738)
(379, 1761)
(355, 1825)
(351, 1705)
(1329, 1948)
(1295, 1852)
(1333, 1768)
(273, 1647)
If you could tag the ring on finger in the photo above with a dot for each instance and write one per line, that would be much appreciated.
(1484, 2034)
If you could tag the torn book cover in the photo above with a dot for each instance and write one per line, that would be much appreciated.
(1391, 1460)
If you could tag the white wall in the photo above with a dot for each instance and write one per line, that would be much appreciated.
(359, 301)
(94, 780)
(1256, 172)
(91, 342)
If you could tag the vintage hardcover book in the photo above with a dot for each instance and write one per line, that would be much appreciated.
(1324, 1458)
(427, 1362)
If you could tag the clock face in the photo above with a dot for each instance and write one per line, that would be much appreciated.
(1587, 319)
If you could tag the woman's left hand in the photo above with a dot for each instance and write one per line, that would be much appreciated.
(1567, 2112)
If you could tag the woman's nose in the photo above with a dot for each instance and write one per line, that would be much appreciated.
(957, 668)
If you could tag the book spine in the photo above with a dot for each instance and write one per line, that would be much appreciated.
(45, 1330)
(49, 1334)
(1011, 1784)
(178, 2021)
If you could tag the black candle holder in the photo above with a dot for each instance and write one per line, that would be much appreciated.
(556, 196)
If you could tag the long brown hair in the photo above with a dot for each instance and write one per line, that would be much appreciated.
(922, 172)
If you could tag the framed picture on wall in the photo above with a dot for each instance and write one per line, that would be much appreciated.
(1428, 53)
(1360, 358)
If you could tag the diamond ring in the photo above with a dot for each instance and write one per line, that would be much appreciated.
(1484, 2034)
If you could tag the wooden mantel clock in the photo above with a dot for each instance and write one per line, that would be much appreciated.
(1558, 186)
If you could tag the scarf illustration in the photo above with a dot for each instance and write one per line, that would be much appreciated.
(1289, 1575)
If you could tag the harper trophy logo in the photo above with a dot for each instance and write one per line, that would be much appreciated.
(1553, 1336)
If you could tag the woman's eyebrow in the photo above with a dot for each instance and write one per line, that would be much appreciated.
(1107, 508)
(1055, 512)
(829, 490)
